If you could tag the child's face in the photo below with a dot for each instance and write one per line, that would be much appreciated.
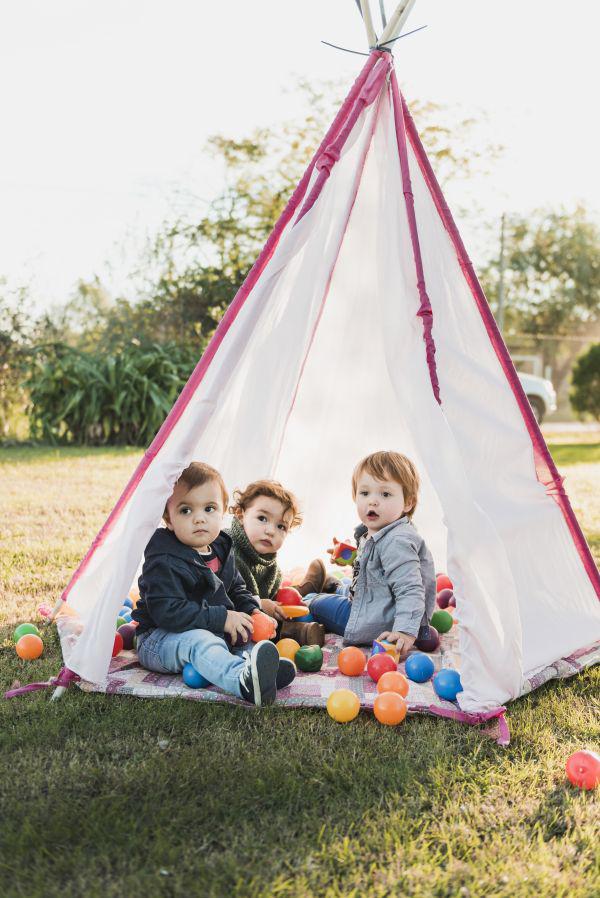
(267, 523)
(196, 515)
(379, 502)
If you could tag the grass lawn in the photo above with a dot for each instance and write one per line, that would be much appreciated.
(117, 796)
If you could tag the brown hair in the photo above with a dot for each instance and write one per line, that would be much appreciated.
(390, 466)
(274, 490)
(198, 473)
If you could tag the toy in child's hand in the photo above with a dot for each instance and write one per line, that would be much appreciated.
(583, 769)
(263, 626)
(291, 611)
(287, 595)
(380, 646)
(342, 553)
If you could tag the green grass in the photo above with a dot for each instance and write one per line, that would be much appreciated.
(575, 453)
(118, 796)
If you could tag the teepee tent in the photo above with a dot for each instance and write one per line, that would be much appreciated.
(362, 326)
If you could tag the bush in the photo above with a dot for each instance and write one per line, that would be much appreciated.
(119, 399)
(585, 395)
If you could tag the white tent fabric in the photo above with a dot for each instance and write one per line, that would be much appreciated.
(324, 362)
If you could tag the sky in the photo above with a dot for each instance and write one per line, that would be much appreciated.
(106, 106)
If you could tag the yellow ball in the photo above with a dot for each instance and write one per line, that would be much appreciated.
(287, 648)
(343, 705)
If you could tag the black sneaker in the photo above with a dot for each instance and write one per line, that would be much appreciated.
(258, 678)
(286, 673)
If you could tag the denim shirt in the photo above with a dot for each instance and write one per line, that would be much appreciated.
(395, 589)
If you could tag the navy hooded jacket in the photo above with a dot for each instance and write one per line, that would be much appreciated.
(179, 592)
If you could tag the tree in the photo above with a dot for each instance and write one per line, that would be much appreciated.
(585, 395)
(552, 283)
(15, 340)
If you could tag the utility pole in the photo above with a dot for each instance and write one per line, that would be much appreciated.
(500, 311)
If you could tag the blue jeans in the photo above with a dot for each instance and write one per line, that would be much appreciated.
(165, 652)
(330, 610)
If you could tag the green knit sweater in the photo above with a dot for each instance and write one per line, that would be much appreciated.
(261, 572)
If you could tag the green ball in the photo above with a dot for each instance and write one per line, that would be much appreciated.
(120, 622)
(442, 621)
(23, 629)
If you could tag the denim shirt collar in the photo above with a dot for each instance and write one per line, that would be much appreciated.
(361, 530)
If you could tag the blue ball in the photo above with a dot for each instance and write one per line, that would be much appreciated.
(124, 610)
(192, 678)
(447, 684)
(419, 667)
(126, 615)
(127, 603)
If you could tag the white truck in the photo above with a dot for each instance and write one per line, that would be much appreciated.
(541, 394)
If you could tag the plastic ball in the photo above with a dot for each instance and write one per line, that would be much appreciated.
(306, 619)
(29, 647)
(263, 626)
(393, 681)
(418, 667)
(447, 684)
(452, 601)
(442, 621)
(126, 617)
(443, 597)
(443, 581)
(124, 611)
(192, 678)
(127, 632)
(377, 665)
(390, 708)
(430, 643)
(343, 705)
(117, 644)
(287, 648)
(134, 595)
(24, 629)
(287, 595)
(120, 622)
(583, 769)
(351, 661)
(127, 603)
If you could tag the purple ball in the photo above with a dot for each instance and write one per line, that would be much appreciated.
(127, 631)
(431, 643)
(452, 601)
(443, 597)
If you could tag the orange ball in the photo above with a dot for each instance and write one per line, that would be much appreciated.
(263, 626)
(393, 681)
(351, 661)
(389, 708)
(287, 648)
(343, 705)
(29, 647)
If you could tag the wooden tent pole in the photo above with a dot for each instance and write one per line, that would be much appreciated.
(397, 20)
(366, 14)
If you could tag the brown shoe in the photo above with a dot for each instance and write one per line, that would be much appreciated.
(305, 634)
(314, 579)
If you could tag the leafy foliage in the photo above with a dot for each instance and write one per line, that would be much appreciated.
(585, 395)
(109, 399)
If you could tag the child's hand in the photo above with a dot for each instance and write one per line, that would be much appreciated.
(273, 609)
(404, 642)
(238, 624)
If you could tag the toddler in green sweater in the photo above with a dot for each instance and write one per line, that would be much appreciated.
(263, 515)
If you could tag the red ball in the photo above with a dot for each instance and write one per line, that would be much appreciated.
(583, 769)
(377, 665)
(443, 597)
(287, 595)
(117, 645)
(443, 581)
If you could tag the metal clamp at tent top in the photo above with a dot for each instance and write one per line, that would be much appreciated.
(391, 29)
